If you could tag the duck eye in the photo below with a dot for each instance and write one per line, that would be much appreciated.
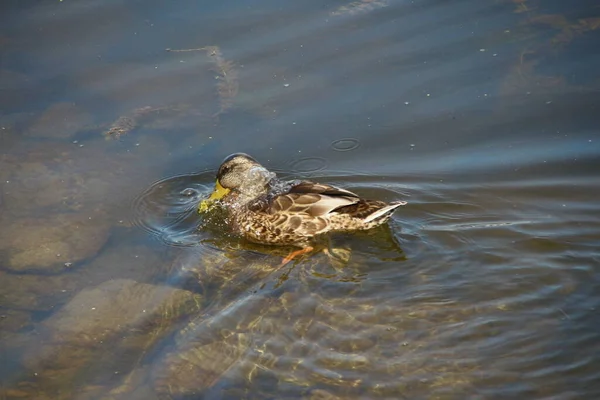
(224, 170)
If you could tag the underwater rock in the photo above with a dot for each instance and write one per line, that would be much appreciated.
(207, 348)
(32, 186)
(53, 243)
(196, 369)
(125, 260)
(213, 341)
(34, 292)
(59, 121)
(102, 332)
(41, 179)
(43, 293)
(55, 177)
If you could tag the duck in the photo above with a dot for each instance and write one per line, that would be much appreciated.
(267, 210)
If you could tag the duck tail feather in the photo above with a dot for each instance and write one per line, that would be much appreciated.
(385, 211)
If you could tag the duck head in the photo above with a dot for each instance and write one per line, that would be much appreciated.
(240, 179)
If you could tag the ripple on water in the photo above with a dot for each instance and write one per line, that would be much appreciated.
(481, 278)
(309, 164)
(359, 344)
(167, 209)
(346, 144)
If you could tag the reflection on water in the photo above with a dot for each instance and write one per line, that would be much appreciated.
(481, 114)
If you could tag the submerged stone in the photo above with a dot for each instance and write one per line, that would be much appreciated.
(43, 293)
(101, 334)
(53, 243)
(52, 177)
(34, 292)
(208, 348)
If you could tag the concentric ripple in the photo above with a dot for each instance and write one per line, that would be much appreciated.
(167, 209)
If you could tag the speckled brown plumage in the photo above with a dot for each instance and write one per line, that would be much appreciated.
(267, 210)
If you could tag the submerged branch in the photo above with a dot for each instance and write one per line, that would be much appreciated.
(227, 85)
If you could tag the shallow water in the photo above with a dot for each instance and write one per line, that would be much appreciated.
(482, 115)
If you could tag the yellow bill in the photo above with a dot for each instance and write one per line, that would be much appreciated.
(217, 194)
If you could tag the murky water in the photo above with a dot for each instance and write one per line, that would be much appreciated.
(483, 115)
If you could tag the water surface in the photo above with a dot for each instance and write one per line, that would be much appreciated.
(482, 115)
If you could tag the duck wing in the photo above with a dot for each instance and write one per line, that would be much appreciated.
(312, 198)
(319, 188)
(333, 200)
(305, 210)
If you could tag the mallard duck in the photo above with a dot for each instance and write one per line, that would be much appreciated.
(267, 210)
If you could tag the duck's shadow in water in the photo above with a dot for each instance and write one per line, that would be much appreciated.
(222, 267)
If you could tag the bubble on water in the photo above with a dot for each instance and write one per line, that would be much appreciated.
(345, 144)
(188, 192)
(309, 164)
(260, 175)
